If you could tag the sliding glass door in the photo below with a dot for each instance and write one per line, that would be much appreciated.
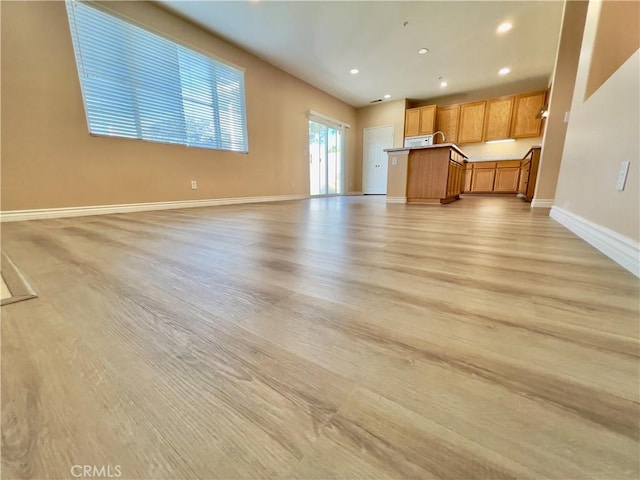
(325, 159)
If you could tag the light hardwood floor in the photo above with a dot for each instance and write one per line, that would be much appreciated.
(326, 338)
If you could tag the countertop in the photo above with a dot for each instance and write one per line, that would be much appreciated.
(439, 145)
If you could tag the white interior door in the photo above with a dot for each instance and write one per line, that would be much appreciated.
(374, 162)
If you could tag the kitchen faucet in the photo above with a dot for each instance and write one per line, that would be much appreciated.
(441, 133)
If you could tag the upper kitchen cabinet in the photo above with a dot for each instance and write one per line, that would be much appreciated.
(497, 120)
(420, 121)
(412, 122)
(448, 120)
(525, 122)
(471, 122)
(427, 120)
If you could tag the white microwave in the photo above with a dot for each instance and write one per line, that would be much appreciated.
(421, 141)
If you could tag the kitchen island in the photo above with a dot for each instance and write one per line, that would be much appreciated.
(431, 174)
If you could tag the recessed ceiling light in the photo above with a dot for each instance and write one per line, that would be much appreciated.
(443, 84)
(422, 51)
(504, 71)
(387, 96)
(354, 71)
(504, 27)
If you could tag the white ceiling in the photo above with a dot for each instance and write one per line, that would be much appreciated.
(320, 41)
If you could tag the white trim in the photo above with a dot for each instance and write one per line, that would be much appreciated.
(327, 118)
(542, 202)
(354, 193)
(620, 249)
(396, 199)
(42, 213)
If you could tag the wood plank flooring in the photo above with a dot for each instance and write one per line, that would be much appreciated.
(326, 338)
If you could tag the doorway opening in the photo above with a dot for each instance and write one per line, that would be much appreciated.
(326, 165)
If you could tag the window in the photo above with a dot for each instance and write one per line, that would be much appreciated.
(136, 84)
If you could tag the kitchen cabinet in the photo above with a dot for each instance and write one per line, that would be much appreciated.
(427, 120)
(497, 120)
(412, 122)
(484, 174)
(455, 180)
(447, 121)
(529, 173)
(471, 122)
(468, 175)
(434, 174)
(494, 177)
(512, 116)
(507, 176)
(420, 121)
(525, 110)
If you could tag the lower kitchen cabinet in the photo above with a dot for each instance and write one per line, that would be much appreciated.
(494, 177)
(529, 173)
(507, 176)
(435, 174)
(468, 175)
(483, 178)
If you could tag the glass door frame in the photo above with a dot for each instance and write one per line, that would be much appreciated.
(322, 178)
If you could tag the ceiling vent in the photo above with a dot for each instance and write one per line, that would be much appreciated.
(376, 101)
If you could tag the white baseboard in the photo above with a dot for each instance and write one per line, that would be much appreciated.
(542, 202)
(43, 213)
(354, 193)
(396, 199)
(620, 249)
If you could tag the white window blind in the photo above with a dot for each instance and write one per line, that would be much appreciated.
(136, 84)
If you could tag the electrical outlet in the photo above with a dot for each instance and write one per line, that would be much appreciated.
(394, 160)
(194, 185)
(622, 175)
(566, 117)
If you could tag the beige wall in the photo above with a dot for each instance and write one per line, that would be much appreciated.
(603, 131)
(49, 160)
(617, 38)
(499, 151)
(397, 175)
(564, 78)
(381, 114)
